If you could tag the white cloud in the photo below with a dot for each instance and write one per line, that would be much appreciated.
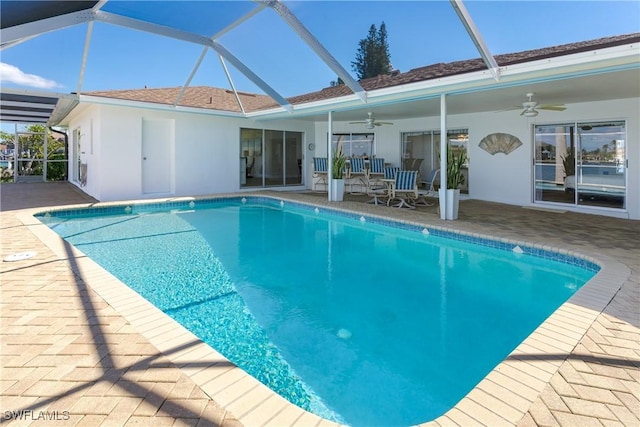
(13, 74)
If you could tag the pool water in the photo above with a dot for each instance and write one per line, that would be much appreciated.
(358, 322)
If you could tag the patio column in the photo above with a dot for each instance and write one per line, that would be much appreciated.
(329, 155)
(443, 156)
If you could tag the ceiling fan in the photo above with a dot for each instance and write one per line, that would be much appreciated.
(370, 122)
(531, 107)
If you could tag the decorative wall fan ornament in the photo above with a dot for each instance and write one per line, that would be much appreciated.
(499, 143)
(370, 122)
(531, 107)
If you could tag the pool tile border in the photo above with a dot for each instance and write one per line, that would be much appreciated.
(190, 204)
(509, 389)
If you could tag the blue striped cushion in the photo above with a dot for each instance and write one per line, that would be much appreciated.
(390, 172)
(320, 164)
(406, 180)
(376, 165)
(357, 165)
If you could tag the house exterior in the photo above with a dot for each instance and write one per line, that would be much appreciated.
(580, 153)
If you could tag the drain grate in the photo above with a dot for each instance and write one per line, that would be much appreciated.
(20, 256)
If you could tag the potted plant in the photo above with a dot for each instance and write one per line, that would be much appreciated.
(455, 178)
(338, 164)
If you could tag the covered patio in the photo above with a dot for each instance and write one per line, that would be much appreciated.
(90, 357)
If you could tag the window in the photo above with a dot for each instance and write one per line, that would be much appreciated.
(354, 144)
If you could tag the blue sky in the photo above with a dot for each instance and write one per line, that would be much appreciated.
(419, 33)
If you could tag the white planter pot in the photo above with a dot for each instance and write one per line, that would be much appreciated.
(337, 190)
(453, 201)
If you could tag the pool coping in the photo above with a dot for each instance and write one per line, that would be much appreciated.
(509, 389)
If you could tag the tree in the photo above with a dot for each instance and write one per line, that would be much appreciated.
(373, 58)
(336, 82)
(31, 146)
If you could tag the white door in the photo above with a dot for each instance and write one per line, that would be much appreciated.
(156, 156)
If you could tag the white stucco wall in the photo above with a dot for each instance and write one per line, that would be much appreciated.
(509, 178)
(205, 150)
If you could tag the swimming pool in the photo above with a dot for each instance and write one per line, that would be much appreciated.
(381, 330)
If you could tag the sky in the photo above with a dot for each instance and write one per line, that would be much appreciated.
(419, 33)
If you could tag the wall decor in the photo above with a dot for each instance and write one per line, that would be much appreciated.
(499, 143)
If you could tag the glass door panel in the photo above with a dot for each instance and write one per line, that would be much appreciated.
(293, 158)
(251, 158)
(273, 158)
(421, 152)
(601, 166)
(418, 152)
(554, 161)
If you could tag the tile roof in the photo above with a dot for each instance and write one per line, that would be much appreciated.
(440, 70)
(194, 96)
(221, 99)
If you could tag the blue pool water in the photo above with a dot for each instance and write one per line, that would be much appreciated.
(354, 320)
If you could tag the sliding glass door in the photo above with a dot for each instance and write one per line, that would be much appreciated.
(581, 164)
(421, 151)
(270, 158)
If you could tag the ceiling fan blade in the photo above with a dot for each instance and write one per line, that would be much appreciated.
(385, 123)
(552, 107)
(356, 123)
(523, 111)
(515, 107)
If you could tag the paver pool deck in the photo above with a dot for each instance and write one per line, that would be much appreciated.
(78, 348)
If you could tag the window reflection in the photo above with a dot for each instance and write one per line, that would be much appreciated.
(600, 173)
(581, 163)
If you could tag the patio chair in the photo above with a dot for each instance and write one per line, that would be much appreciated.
(320, 171)
(379, 189)
(374, 174)
(430, 191)
(356, 173)
(404, 189)
(376, 170)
